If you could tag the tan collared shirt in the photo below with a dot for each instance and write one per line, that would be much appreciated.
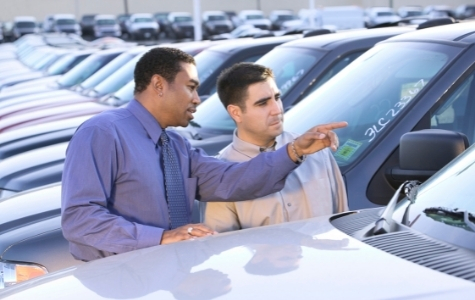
(314, 189)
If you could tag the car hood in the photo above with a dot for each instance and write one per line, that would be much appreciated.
(31, 87)
(21, 78)
(258, 22)
(293, 260)
(34, 97)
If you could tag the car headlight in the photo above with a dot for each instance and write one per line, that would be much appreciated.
(13, 273)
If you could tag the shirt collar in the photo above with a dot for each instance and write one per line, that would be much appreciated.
(151, 125)
(249, 149)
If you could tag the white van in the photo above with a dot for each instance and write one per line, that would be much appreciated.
(331, 17)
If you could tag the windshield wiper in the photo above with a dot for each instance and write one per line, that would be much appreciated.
(385, 223)
(452, 217)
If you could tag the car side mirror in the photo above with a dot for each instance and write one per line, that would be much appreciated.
(423, 153)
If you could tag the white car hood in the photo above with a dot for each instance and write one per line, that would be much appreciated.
(300, 260)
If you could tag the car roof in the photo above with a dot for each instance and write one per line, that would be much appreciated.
(335, 39)
(141, 15)
(97, 17)
(240, 44)
(461, 32)
(64, 16)
(24, 19)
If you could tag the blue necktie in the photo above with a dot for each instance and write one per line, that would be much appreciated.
(174, 187)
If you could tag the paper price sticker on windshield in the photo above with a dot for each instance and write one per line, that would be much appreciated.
(348, 149)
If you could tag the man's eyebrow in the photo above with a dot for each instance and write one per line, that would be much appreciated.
(262, 100)
(196, 82)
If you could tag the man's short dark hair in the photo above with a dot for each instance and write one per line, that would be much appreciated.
(161, 61)
(234, 81)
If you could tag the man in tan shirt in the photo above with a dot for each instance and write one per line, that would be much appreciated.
(252, 99)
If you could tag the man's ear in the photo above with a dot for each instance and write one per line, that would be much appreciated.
(158, 83)
(235, 112)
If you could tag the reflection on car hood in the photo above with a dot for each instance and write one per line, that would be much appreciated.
(294, 260)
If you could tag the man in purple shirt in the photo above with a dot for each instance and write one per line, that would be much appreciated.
(114, 198)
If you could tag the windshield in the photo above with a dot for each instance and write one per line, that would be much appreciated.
(119, 78)
(217, 18)
(385, 14)
(207, 62)
(122, 96)
(26, 24)
(85, 69)
(286, 17)
(143, 20)
(254, 17)
(452, 189)
(107, 70)
(183, 19)
(62, 64)
(370, 93)
(288, 65)
(106, 22)
(65, 22)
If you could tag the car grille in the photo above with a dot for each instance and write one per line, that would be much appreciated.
(69, 30)
(221, 28)
(427, 252)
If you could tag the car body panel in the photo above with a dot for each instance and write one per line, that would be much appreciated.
(318, 258)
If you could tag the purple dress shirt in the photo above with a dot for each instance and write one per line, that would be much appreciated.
(113, 196)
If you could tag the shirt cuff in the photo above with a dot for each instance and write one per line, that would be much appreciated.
(149, 236)
(284, 159)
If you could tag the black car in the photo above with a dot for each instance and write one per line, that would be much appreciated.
(163, 23)
(300, 67)
(87, 24)
(121, 19)
(181, 26)
(215, 22)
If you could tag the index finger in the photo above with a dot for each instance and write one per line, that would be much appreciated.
(330, 126)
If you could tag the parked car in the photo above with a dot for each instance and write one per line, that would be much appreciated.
(465, 12)
(181, 25)
(241, 31)
(7, 31)
(437, 11)
(278, 17)
(256, 18)
(87, 24)
(410, 11)
(330, 17)
(24, 25)
(162, 20)
(105, 25)
(60, 66)
(65, 23)
(142, 26)
(121, 19)
(379, 15)
(431, 240)
(75, 76)
(215, 22)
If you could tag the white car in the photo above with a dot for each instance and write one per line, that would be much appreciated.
(256, 18)
(420, 249)
(65, 23)
(24, 25)
(380, 15)
(142, 26)
(106, 25)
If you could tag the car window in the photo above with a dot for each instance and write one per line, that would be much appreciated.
(457, 113)
(370, 94)
(85, 69)
(65, 22)
(106, 22)
(143, 20)
(64, 64)
(207, 62)
(339, 65)
(288, 66)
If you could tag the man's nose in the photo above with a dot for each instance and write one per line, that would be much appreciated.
(276, 107)
(196, 98)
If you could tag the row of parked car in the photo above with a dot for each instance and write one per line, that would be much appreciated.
(408, 95)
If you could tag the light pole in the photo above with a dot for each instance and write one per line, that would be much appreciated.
(126, 7)
(197, 19)
(258, 3)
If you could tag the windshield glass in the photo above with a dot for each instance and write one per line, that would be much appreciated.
(183, 19)
(370, 93)
(46, 61)
(288, 65)
(286, 17)
(254, 17)
(385, 14)
(85, 69)
(217, 18)
(450, 188)
(119, 78)
(106, 22)
(107, 70)
(65, 22)
(122, 96)
(26, 24)
(60, 65)
(143, 20)
(207, 62)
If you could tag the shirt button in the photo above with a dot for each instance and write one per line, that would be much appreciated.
(289, 204)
